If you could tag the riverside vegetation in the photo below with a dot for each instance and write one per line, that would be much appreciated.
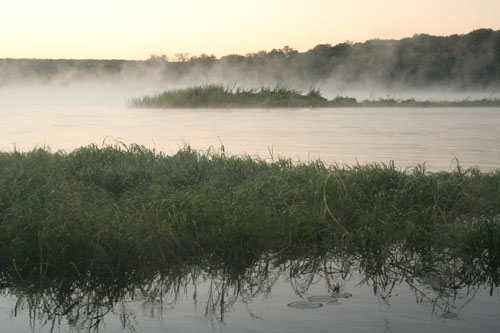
(218, 96)
(118, 210)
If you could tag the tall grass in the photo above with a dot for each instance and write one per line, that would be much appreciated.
(116, 209)
(217, 96)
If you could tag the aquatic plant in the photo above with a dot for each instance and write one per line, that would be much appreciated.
(113, 209)
(218, 96)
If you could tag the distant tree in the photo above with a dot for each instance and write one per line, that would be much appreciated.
(158, 58)
(288, 51)
(181, 57)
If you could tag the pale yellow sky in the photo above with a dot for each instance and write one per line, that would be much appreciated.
(126, 29)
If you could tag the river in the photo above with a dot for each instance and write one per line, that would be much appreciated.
(407, 136)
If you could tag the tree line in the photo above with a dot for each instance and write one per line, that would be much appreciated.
(469, 60)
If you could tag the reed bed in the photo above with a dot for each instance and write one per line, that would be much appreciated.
(114, 209)
(218, 96)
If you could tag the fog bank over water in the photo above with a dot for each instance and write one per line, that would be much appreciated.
(423, 67)
(117, 93)
(76, 93)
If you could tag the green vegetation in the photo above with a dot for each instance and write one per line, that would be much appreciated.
(217, 96)
(116, 210)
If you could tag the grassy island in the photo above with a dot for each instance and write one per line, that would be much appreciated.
(218, 96)
(117, 209)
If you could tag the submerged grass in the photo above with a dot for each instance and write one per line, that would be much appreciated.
(116, 209)
(218, 96)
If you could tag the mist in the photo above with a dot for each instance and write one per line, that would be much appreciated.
(422, 67)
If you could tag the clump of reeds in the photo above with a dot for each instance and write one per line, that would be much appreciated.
(121, 208)
(218, 96)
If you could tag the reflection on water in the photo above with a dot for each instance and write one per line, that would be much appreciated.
(407, 136)
(401, 291)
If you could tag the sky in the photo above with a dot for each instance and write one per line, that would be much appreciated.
(126, 29)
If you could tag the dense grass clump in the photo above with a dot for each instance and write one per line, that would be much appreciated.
(113, 209)
(217, 96)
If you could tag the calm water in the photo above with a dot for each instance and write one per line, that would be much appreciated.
(407, 136)
(387, 299)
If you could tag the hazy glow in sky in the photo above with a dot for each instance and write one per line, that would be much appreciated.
(129, 29)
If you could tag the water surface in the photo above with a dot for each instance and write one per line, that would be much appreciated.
(386, 297)
(408, 136)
